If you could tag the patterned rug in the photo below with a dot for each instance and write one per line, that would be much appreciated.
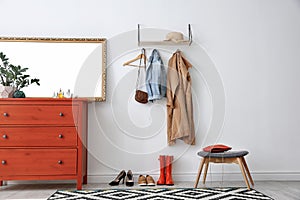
(161, 194)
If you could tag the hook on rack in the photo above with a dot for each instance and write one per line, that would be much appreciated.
(190, 34)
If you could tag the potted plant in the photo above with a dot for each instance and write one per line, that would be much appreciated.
(13, 79)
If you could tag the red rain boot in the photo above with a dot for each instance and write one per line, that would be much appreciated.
(169, 180)
(162, 178)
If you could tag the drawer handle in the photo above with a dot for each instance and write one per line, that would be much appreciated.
(3, 162)
(60, 136)
(60, 162)
(4, 136)
(5, 114)
(61, 114)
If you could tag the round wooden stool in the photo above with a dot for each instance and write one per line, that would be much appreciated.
(225, 157)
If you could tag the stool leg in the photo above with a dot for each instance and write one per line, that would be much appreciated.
(205, 171)
(247, 170)
(199, 172)
(243, 172)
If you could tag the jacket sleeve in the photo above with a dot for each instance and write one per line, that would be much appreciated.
(148, 79)
(172, 81)
(163, 80)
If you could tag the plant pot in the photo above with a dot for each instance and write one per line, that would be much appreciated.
(6, 91)
(19, 94)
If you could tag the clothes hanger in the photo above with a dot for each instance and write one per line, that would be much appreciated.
(141, 56)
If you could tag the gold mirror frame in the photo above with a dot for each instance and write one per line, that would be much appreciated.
(101, 41)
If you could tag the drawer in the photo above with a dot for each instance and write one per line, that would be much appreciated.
(40, 114)
(38, 136)
(38, 162)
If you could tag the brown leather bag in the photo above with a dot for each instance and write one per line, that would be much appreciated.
(141, 96)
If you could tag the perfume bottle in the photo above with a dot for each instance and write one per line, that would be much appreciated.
(68, 94)
(54, 95)
(60, 94)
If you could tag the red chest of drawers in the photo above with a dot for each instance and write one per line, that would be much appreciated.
(43, 139)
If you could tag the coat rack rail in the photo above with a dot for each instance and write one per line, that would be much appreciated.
(146, 43)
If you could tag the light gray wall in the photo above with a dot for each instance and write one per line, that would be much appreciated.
(251, 46)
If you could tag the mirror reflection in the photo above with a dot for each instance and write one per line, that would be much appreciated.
(63, 64)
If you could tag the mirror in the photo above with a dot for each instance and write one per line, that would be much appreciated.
(75, 64)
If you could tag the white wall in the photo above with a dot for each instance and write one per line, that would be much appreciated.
(253, 44)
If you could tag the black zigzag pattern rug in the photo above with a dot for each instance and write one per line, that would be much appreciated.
(161, 194)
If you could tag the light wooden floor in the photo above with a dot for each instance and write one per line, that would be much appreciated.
(279, 190)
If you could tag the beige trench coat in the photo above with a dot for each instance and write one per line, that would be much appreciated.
(180, 122)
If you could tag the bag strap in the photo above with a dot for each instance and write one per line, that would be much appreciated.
(143, 52)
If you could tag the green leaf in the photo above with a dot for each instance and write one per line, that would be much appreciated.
(23, 70)
(12, 75)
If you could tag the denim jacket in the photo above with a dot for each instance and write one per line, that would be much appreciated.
(156, 77)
